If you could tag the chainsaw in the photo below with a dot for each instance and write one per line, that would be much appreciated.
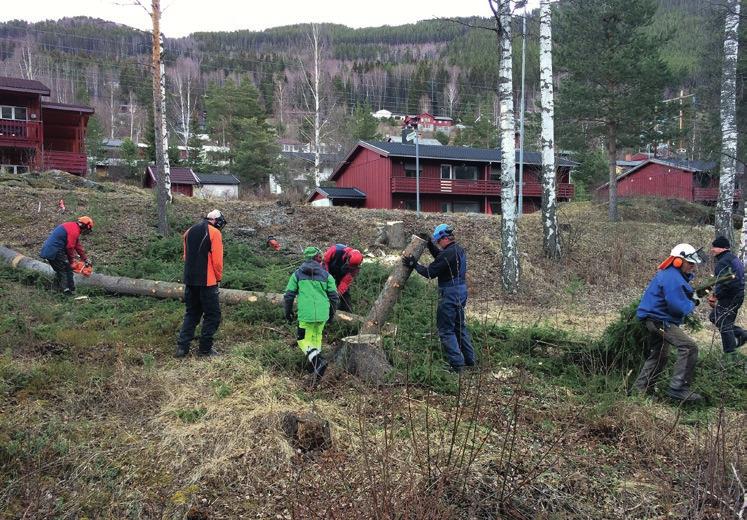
(81, 268)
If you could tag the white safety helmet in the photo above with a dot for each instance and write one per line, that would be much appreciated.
(687, 252)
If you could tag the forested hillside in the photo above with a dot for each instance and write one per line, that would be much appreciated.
(446, 67)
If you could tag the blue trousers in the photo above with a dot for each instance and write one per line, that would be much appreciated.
(452, 326)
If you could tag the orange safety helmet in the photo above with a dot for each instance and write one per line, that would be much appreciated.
(85, 223)
(355, 258)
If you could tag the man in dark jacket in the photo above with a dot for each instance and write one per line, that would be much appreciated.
(60, 250)
(203, 270)
(450, 267)
(728, 296)
(668, 299)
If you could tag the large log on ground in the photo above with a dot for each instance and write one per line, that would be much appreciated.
(383, 305)
(141, 287)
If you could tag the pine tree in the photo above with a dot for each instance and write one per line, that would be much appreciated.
(613, 75)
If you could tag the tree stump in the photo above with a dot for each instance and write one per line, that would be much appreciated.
(306, 431)
(364, 357)
(395, 232)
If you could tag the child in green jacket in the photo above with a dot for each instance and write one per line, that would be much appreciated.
(317, 303)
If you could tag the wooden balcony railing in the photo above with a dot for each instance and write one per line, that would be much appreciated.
(711, 194)
(19, 132)
(66, 161)
(466, 187)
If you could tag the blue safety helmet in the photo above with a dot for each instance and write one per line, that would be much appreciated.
(442, 231)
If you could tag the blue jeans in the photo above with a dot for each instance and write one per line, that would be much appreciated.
(452, 327)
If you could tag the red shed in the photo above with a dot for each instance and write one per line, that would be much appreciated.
(693, 181)
(183, 180)
(452, 178)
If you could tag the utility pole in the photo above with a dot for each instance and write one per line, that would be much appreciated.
(163, 172)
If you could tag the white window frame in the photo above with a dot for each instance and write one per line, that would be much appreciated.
(13, 113)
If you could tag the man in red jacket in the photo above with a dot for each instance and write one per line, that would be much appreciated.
(343, 263)
(203, 270)
(60, 250)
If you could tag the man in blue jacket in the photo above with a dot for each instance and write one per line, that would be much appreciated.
(728, 296)
(664, 305)
(450, 267)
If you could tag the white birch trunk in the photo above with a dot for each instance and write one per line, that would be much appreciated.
(317, 123)
(725, 203)
(163, 178)
(164, 131)
(509, 245)
(551, 242)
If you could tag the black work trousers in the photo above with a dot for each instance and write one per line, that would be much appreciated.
(723, 316)
(201, 303)
(63, 273)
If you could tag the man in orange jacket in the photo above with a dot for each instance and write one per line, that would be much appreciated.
(343, 263)
(203, 270)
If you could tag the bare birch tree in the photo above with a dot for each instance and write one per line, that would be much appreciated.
(314, 98)
(551, 242)
(509, 243)
(725, 203)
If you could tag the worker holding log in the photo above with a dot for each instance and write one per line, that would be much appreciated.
(727, 296)
(203, 270)
(317, 301)
(60, 250)
(450, 267)
(668, 299)
(343, 263)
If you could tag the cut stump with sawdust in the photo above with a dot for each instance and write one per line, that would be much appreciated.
(306, 431)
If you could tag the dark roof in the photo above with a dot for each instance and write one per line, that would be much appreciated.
(340, 193)
(67, 107)
(217, 178)
(457, 153)
(689, 166)
(179, 175)
(23, 85)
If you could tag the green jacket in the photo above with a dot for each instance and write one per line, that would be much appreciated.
(316, 291)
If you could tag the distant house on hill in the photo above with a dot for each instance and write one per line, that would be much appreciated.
(452, 178)
(693, 181)
(39, 134)
(202, 185)
(382, 114)
(429, 123)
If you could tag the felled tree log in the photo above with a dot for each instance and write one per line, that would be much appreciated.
(140, 287)
(383, 305)
(363, 356)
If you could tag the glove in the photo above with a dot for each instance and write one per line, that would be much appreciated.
(88, 263)
(696, 299)
(423, 236)
(409, 261)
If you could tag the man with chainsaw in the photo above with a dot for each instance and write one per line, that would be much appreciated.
(203, 270)
(343, 263)
(317, 301)
(667, 300)
(60, 250)
(450, 267)
(728, 296)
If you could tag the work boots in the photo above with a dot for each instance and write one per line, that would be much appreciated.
(318, 363)
(684, 394)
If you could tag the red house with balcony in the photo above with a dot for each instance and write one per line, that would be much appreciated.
(38, 134)
(452, 178)
(693, 181)
(428, 122)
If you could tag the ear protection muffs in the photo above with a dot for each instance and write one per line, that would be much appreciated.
(677, 262)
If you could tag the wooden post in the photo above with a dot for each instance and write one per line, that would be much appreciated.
(390, 293)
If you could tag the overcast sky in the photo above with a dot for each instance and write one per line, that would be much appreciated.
(182, 17)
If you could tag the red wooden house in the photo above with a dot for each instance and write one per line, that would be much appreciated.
(37, 134)
(183, 180)
(452, 178)
(694, 181)
(428, 122)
